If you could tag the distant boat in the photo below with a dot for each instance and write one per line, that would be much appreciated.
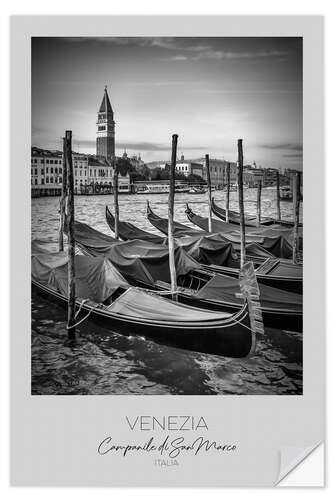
(162, 188)
(197, 190)
(182, 188)
(154, 189)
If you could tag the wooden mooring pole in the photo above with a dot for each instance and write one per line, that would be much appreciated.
(241, 201)
(259, 187)
(171, 240)
(227, 201)
(115, 200)
(278, 195)
(209, 191)
(62, 204)
(296, 203)
(71, 236)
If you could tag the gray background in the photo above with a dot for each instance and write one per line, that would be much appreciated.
(54, 438)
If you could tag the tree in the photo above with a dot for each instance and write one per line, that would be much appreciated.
(124, 166)
(156, 174)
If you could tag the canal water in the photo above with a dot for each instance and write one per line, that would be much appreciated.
(105, 362)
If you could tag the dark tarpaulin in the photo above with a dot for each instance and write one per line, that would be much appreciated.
(148, 262)
(224, 289)
(182, 231)
(138, 259)
(281, 268)
(210, 249)
(128, 231)
(220, 226)
(268, 239)
(95, 277)
(93, 239)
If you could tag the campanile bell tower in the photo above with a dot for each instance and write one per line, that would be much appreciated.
(105, 129)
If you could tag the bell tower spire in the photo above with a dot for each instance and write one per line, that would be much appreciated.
(105, 140)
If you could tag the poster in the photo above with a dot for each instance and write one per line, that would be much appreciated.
(156, 391)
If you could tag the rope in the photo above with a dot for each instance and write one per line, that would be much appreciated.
(81, 304)
(84, 318)
(240, 323)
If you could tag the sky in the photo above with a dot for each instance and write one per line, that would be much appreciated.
(209, 91)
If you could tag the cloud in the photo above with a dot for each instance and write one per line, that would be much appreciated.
(246, 91)
(143, 146)
(177, 58)
(225, 55)
(188, 45)
(137, 146)
(86, 143)
(161, 83)
(283, 146)
(293, 155)
(152, 146)
(171, 43)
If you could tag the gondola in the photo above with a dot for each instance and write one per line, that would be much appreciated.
(216, 254)
(278, 241)
(181, 230)
(273, 245)
(146, 265)
(104, 296)
(250, 220)
(253, 233)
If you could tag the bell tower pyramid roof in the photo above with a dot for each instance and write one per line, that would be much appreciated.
(105, 106)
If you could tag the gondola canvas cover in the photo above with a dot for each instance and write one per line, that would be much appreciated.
(95, 278)
(227, 289)
(138, 304)
(147, 262)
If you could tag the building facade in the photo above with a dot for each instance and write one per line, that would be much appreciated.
(92, 174)
(105, 133)
(189, 167)
(218, 171)
(46, 170)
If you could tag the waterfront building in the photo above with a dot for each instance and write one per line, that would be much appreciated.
(252, 175)
(46, 171)
(218, 171)
(92, 174)
(105, 133)
(189, 167)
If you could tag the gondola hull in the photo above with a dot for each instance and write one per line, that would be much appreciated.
(282, 318)
(249, 221)
(281, 309)
(229, 337)
(283, 282)
(287, 283)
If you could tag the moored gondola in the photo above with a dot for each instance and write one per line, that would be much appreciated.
(219, 255)
(250, 220)
(103, 295)
(277, 241)
(146, 265)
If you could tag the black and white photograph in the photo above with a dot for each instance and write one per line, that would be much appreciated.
(167, 215)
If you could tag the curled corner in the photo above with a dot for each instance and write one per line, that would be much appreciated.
(291, 457)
